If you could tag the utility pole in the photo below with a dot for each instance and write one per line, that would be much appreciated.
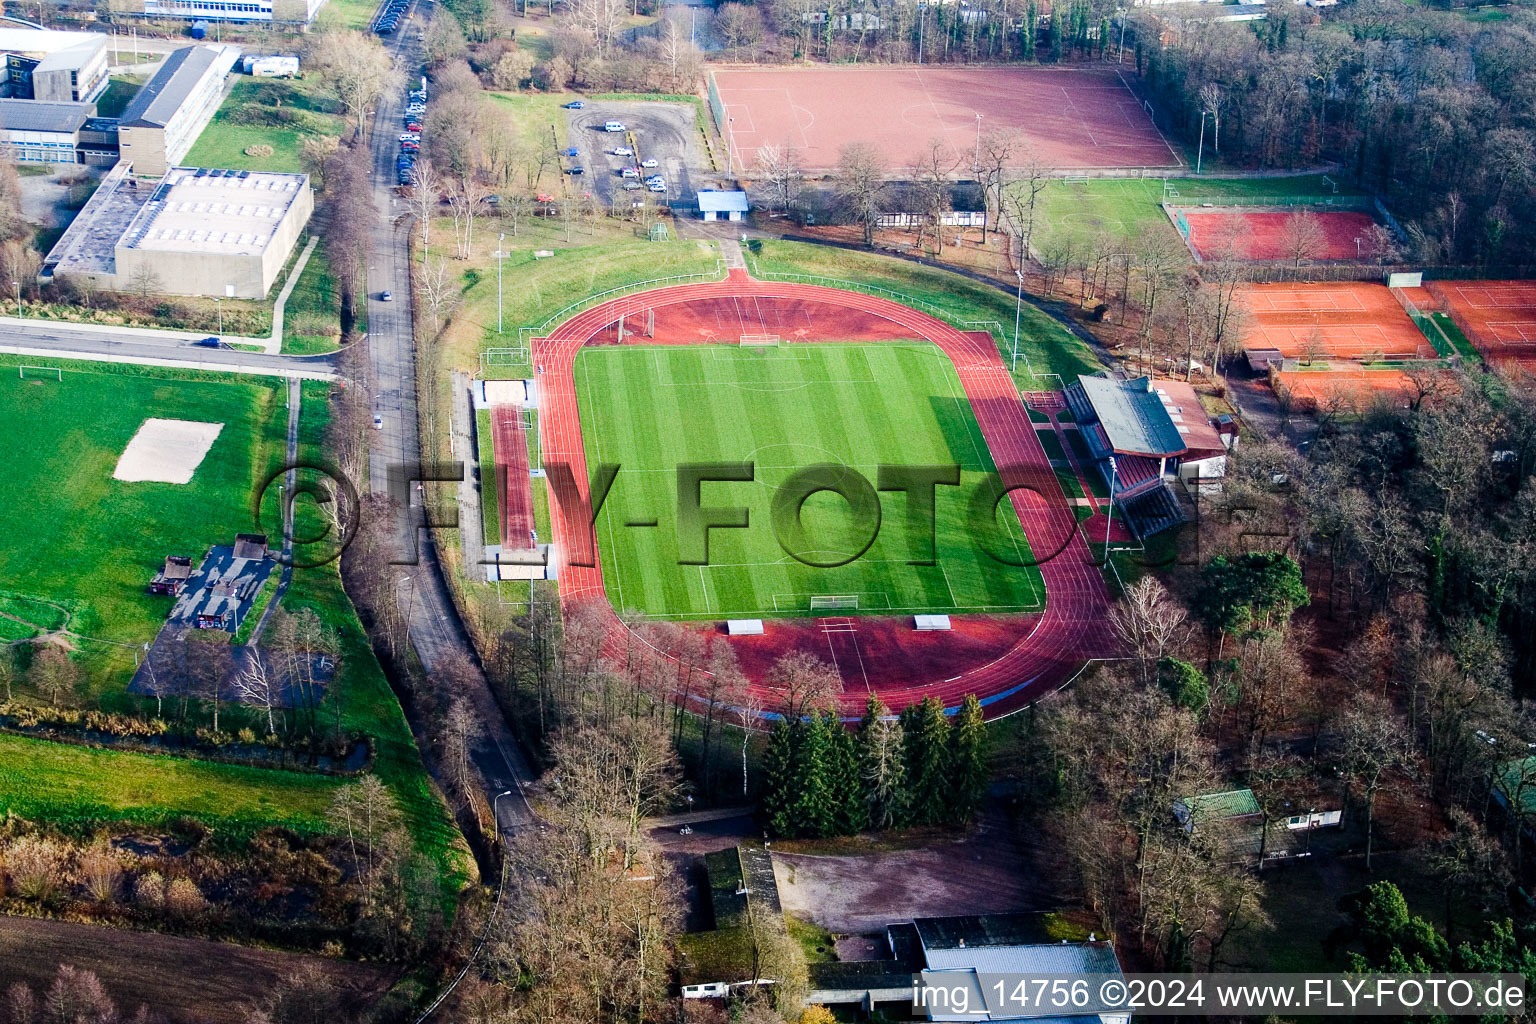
(1109, 513)
(1018, 308)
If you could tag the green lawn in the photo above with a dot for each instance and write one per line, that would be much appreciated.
(1046, 348)
(66, 785)
(266, 111)
(312, 316)
(653, 409)
(74, 535)
(490, 516)
(119, 91)
(532, 114)
(347, 13)
(1127, 208)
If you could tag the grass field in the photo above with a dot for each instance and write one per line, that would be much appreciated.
(74, 535)
(786, 408)
(119, 91)
(312, 316)
(1127, 208)
(1047, 350)
(66, 785)
(347, 13)
(266, 111)
(532, 114)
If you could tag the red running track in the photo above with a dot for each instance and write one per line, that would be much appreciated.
(1051, 646)
(514, 488)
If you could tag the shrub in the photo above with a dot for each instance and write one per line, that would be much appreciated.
(102, 872)
(184, 899)
(149, 890)
(259, 150)
(36, 866)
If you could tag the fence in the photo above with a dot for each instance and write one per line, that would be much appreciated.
(525, 335)
(1000, 335)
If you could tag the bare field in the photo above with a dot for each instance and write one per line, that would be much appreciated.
(179, 979)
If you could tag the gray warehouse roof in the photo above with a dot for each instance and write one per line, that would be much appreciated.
(1133, 416)
(34, 116)
(154, 104)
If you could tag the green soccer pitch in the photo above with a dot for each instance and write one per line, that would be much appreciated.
(783, 408)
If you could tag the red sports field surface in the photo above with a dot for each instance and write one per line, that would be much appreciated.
(1346, 320)
(1354, 388)
(514, 488)
(1499, 317)
(1006, 662)
(1069, 118)
(1260, 237)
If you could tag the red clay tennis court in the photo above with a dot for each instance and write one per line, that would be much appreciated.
(1499, 317)
(1353, 389)
(1069, 118)
(1259, 236)
(1344, 320)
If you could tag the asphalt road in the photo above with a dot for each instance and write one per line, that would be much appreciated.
(435, 628)
(63, 342)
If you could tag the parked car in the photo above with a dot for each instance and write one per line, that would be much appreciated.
(650, 161)
(411, 137)
(628, 172)
(378, 422)
(652, 179)
(623, 151)
(411, 147)
(575, 105)
(658, 186)
(577, 170)
(632, 186)
(570, 151)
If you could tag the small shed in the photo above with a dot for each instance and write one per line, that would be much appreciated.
(251, 545)
(173, 576)
(732, 204)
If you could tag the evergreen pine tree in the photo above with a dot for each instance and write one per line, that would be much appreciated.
(812, 813)
(1058, 29)
(850, 806)
(1030, 30)
(780, 779)
(882, 765)
(968, 761)
(927, 750)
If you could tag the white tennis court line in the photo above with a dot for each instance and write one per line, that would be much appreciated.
(1526, 330)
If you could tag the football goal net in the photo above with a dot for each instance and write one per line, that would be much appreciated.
(834, 601)
(48, 372)
(760, 340)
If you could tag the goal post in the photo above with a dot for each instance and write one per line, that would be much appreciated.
(760, 340)
(41, 371)
(822, 602)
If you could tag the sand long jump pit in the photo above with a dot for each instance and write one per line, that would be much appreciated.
(166, 451)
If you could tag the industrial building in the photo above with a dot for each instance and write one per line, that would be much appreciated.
(54, 67)
(165, 117)
(194, 232)
(280, 12)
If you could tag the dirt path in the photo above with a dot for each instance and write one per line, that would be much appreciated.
(179, 979)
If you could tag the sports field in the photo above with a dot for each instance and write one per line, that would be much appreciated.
(1121, 209)
(1498, 316)
(1346, 320)
(784, 408)
(1069, 118)
(1260, 235)
(74, 535)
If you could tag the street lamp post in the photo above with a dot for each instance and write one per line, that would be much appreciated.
(495, 800)
(218, 304)
(1120, 52)
(1200, 154)
(17, 286)
(976, 169)
(1109, 514)
(500, 256)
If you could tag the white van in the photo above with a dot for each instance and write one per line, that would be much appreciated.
(613, 126)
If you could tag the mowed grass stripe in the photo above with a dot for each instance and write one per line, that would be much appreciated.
(651, 409)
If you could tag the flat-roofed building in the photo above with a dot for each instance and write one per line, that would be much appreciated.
(56, 67)
(280, 12)
(195, 232)
(165, 117)
(35, 132)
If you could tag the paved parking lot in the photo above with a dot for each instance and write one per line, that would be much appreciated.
(665, 132)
